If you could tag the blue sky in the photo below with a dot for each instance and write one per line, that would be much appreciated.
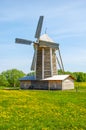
(66, 24)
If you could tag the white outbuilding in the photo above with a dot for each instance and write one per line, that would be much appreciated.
(57, 82)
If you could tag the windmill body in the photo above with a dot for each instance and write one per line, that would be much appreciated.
(46, 58)
(44, 63)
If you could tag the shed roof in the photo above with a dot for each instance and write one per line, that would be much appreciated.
(28, 78)
(56, 77)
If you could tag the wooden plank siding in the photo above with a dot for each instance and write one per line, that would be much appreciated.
(34, 84)
(25, 84)
(44, 70)
(39, 64)
(40, 84)
(47, 67)
(54, 62)
(55, 85)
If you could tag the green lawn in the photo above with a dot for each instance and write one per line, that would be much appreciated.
(43, 110)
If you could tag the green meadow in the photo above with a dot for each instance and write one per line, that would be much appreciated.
(43, 109)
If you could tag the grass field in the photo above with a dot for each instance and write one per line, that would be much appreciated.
(43, 110)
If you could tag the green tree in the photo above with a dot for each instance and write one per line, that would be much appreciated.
(12, 76)
(81, 77)
(3, 80)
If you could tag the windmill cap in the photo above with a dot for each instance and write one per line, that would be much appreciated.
(45, 37)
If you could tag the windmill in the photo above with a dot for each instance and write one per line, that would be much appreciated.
(44, 59)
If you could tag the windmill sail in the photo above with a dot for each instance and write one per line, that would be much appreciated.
(61, 60)
(59, 63)
(33, 66)
(23, 41)
(39, 27)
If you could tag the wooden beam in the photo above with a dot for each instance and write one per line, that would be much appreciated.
(36, 47)
(42, 63)
(51, 67)
(35, 58)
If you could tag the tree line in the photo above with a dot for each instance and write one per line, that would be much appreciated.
(10, 78)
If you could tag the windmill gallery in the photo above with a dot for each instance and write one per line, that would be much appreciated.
(44, 64)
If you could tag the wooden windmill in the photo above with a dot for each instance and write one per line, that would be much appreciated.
(44, 60)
